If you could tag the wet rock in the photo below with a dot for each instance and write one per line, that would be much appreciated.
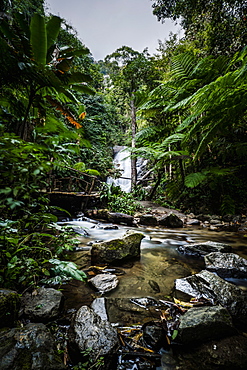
(201, 324)
(89, 331)
(99, 214)
(203, 217)
(213, 228)
(215, 222)
(226, 264)
(31, 348)
(104, 282)
(145, 302)
(117, 250)
(43, 304)
(224, 354)
(202, 249)
(110, 227)
(99, 307)
(120, 218)
(154, 335)
(148, 220)
(208, 285)
(125, 311)
(9, 307)
(171, 220)
(193, 222)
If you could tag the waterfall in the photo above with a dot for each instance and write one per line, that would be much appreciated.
(122, 161)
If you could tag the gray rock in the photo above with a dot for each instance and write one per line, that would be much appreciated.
(44, 304)
(89, 331)
(171, 220)
(154, 335)
(9, 307)
(148, 220)
(104, 282)
(215, 222)
(208, 285)
(201, 324)
(226, 264)
(202, 249)
(117, 250)
(120, 218)
(193, 222)
(31, 348)
(99, 307)
(126, 311)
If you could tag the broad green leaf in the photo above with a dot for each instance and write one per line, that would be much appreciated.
(38, 39)
(52, 29)
(67, 268)
(68, 51)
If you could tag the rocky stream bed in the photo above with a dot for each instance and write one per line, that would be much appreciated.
(165, 291)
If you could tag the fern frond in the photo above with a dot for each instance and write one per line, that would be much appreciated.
(182, 66)
(194, 179)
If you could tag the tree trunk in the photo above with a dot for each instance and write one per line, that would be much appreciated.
(133, 144)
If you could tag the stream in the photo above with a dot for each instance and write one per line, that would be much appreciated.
(152, 275)
(160, 261)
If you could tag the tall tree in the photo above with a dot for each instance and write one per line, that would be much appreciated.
(216, 26)
(131, 70)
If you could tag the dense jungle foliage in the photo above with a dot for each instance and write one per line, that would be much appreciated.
(183, 109)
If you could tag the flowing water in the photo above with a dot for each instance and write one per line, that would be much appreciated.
(152, 275)
(122, 162)
(160, 263)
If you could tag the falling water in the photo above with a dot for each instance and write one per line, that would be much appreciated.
(122, 162)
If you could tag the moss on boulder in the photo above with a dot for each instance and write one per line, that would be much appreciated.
(117, 250)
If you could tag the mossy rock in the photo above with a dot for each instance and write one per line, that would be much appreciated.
(117, 250)
(9, 307)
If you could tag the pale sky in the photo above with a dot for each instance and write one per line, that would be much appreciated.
(105, 25)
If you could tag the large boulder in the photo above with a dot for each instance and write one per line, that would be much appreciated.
(31, 348)
(148, 220)
(120, 218)
(202, 249)
(171, 220)
(89, 331)
(9, 307)
(119, 250)
(200, 324)
(226, 264)
(208, 285)
(42, 305)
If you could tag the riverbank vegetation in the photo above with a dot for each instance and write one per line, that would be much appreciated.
(183, 109)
